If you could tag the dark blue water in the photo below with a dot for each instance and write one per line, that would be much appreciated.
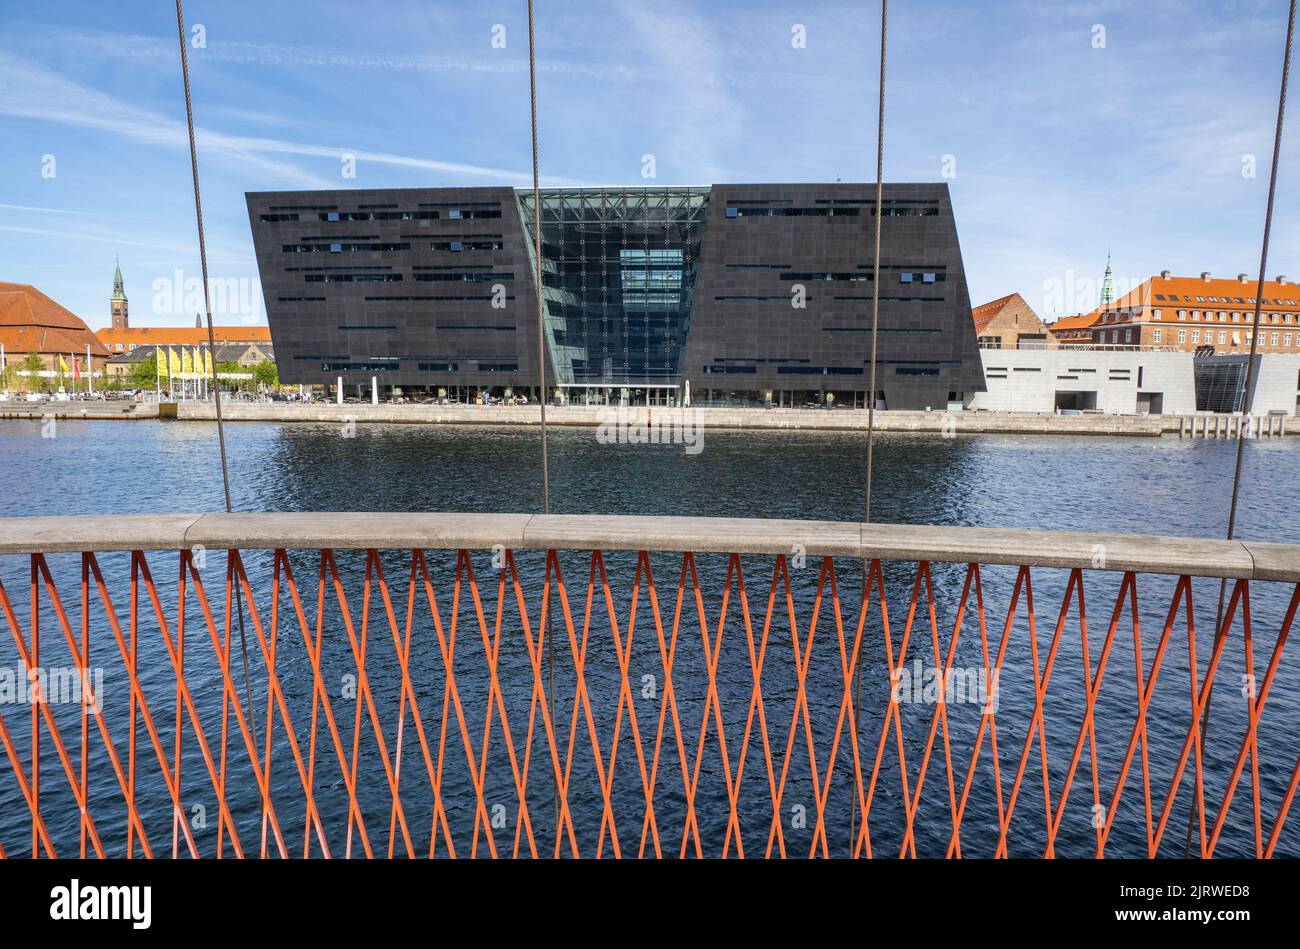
(1136, 485)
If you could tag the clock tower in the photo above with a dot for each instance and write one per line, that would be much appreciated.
(117, 303)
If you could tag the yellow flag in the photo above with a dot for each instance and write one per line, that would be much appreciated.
(63, 364)
(207, 361)
(187, 364)
(173, 362)
(161, 361)
(198, 360)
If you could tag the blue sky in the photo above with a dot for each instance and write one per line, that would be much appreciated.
(1061, 149)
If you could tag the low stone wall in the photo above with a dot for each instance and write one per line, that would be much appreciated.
(709, 418)
(78, 410)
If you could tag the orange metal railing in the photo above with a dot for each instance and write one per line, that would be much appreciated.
(445, 704)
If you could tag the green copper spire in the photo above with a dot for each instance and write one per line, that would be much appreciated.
(1107, 285)
(118, 292)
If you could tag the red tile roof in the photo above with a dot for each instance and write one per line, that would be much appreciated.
(986, 313)
(181, 335)
(30, 322)
(1229, 293)
(1081, 321)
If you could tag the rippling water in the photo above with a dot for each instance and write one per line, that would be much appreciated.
(1162, 486)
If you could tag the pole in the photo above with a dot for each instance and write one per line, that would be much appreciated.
(374, 390)
(871, 395)
(338, 391)
(207, 308)
(1248, 395)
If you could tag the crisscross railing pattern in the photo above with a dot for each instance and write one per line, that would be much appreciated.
(503, 712)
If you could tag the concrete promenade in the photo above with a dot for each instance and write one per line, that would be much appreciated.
(717, 419)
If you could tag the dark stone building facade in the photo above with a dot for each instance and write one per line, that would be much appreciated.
(749, 293)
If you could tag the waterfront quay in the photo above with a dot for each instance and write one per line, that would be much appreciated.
(1203, 424)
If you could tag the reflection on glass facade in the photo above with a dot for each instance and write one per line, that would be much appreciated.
(1220, 384)
(618, 275)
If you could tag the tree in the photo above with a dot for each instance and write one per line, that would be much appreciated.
(33, 365)
(225, 370)
(265, 374)
(144, 374)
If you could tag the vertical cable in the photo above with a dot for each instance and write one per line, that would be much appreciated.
(871, 395)
(537, 260)
(541, 364)
(212, 348)
(1249, 395)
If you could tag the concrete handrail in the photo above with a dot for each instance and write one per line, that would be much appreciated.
(1065, 549)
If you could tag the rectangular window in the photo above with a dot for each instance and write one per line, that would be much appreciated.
(1196, 336)
(1155, 336)
(905, 278)
(1182, 336)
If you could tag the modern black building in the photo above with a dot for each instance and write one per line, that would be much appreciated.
(746, 293)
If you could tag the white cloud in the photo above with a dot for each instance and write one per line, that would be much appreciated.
(118, 239)
(33, 92)
(36, 210)
(702, 117)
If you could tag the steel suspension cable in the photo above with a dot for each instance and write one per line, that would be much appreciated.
(212, 350)
(871, 395)
(541, 365)
(1248, 395)
(537, 259)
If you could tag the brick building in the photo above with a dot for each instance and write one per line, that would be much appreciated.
(1009, 323)
(1202, 314)
(30, 322)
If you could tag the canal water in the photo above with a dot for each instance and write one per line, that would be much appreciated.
(1163, 486)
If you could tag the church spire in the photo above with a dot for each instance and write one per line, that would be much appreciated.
(119, 292)
(1107, 285)
(117, 302)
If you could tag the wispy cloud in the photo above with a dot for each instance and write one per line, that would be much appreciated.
(705, 117)
(33, 92)
(154, 49)
(37, 210)
(118, 239)
(90, 236)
